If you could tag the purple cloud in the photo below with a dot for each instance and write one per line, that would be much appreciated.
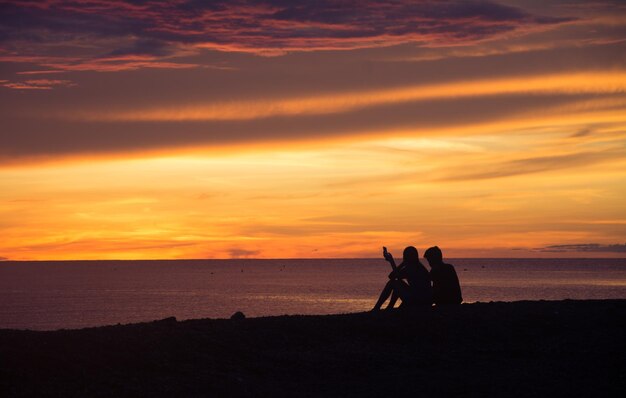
(85, 35)
(585, 248)
(36, 84)
(243, 253)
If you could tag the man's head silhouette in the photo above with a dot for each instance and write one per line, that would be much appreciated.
(433, 255)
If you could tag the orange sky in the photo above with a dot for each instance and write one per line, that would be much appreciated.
(503, 143)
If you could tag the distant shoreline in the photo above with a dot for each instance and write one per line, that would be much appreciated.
(481, 349)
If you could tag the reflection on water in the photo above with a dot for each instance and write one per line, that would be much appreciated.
(51, 295)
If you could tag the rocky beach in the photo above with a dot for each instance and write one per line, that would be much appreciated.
(515, 349)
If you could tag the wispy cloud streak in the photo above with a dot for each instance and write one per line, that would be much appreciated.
(610, 82)
(537, 165)
(37, 84)
(585, 248)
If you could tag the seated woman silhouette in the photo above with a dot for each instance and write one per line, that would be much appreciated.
(409, 281)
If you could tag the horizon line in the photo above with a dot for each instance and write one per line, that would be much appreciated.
(308, 258)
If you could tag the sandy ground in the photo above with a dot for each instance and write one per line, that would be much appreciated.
(520, 349)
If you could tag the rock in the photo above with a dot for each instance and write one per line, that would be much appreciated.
(168, 321)
(238, 315)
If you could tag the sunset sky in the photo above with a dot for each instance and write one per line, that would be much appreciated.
(278, 129)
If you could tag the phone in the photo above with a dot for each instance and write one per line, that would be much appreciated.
(384, 250)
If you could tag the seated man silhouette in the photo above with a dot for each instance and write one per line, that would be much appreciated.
(446, 288)
(409, 281)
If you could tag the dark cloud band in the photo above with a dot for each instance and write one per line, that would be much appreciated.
(66, 137)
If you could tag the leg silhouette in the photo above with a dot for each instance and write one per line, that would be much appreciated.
(393, 299)
(384, 295)
(396, 289)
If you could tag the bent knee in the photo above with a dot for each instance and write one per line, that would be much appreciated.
(396, 283)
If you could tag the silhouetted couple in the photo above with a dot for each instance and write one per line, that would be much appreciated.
(411, 282)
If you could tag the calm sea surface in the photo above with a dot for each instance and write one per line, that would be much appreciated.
(53, 295)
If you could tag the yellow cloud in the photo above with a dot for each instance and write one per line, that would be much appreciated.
(606, 82)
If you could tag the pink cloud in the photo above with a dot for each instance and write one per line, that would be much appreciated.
(39, 72)
(36, 84)
(121, 35)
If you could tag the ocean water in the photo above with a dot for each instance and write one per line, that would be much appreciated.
(75, 294)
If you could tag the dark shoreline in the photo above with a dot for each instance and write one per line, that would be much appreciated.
(527, 348)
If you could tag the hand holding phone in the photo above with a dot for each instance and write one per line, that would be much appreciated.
(389, 259)
(386, 254)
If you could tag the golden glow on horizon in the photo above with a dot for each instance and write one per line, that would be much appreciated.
(324, 202)
(604, 82)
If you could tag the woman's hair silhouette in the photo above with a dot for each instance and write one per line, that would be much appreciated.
(410, 255)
